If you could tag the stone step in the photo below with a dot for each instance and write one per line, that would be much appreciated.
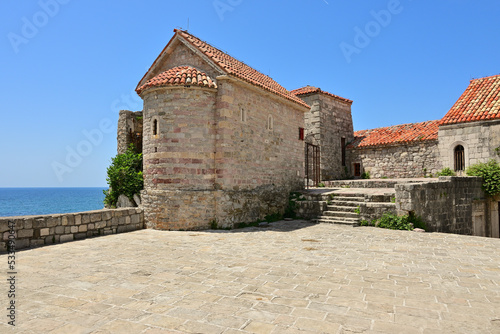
(347, 208)
(330, 220)
(342, 214)
(336, 202)
(348, 198)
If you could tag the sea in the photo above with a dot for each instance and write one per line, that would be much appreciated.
(42, 201)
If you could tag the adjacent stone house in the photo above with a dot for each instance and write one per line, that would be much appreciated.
(469, 133)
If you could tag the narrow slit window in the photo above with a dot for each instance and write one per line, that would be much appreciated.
(270, 122)
(459, 155)
(155, 127)
(243, 115)
(301, 133)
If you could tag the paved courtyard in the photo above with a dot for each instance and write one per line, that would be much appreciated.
(292, 277)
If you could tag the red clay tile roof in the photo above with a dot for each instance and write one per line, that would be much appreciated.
(397, 134)
(310, 89)
(236, 68)
(179, 76)
(480, 101)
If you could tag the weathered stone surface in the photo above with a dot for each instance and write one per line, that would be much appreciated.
(137, 199)
(124, 202)
(259, 280)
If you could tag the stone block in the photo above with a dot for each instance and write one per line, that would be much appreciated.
(64, 220)
(53, 221)
(107, 215)
(82, 228)
(28, 223)
(39, 223)
(60, 229)
(66, 238)
(80, 236)
(44, 232)
(85, 218)
(95, 217)
(90, 226)
(37, 242)
(78, 219)
(74, 229)
(4, 226)
(25, 233)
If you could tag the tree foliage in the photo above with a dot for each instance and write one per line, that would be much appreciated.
(490, 172)
(124, 176)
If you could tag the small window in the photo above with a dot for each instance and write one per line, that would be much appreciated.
(243, 115)
(459, 155)
(270, 122)
(155, 127)
(301, 133)
(357, 169)
(342, 145)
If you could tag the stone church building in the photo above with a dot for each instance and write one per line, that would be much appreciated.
(223, 143)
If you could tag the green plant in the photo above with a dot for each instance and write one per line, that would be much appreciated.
(406, 222)
(365, 175)
(384, 177)
(214, 225)
(124, 176)
(357, 210)
(321, 185)
(393, 199)
(345, 186)
(490, 172)
(364, 222)
(446, 172)
(394, 222)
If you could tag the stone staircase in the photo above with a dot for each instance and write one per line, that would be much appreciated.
(341, 209)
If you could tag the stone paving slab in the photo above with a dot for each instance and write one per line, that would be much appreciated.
(293, 277)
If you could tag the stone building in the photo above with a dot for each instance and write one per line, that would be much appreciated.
(221, 141)
(225, 144)
(469, 133)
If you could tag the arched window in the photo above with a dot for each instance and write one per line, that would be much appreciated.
(459, 157)
(155, 127)
(270, 122)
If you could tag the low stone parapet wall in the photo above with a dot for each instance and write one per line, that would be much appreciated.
(445, 206)
(34, 231)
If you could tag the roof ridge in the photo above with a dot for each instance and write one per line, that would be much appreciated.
(405, 124)
(488, 77)
(222, 51)
(236, 68)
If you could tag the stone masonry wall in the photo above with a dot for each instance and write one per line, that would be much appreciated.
(445, 205)
(129, 123)
(326, 123)
(33, 231)
(257, 163)
(401, 161)
(179, 170)
(479, 139)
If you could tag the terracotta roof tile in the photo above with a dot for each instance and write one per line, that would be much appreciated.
(179, 76)
(480, 101)
(310, 89)
(236, 68)
(397, 134)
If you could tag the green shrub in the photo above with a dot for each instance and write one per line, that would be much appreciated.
(394, 222)
(490, 172)
(321, 185)
(446, 172)
(365, 175)
(124, 176)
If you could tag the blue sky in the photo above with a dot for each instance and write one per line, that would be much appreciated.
(69, 66)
